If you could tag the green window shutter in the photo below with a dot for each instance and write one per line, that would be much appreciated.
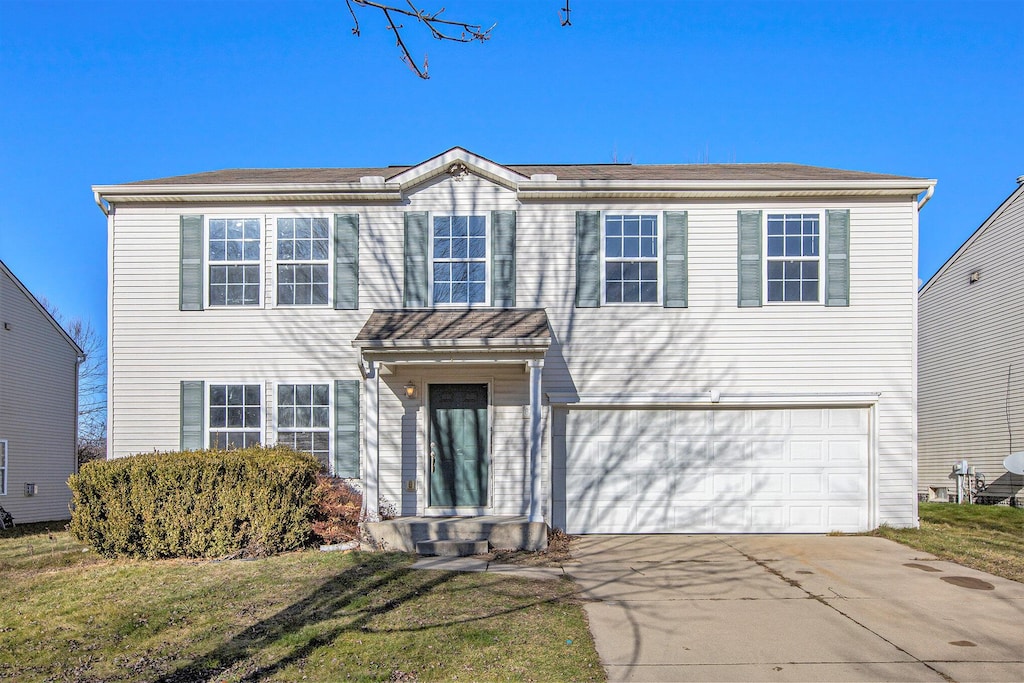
(346, 261)
(417, 241)
(676, 275)
(346, 428)
(192, 394)
(837, 264)
(190, 289)
(503, 259)
(748, 259)
(588, 259)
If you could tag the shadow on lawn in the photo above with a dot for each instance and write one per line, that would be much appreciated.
(344, 595)
(331, 600)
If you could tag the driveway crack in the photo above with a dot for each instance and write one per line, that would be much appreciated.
(796, 584)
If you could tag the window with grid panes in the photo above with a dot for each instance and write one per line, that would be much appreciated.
(793, 256)
(234, 250)
(303, 251)
(459, 259)
(304, 418)
(631, 259)
(235, 415)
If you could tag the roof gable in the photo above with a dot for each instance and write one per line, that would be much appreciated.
(1016, 195)
(39, 306)
(455, 162)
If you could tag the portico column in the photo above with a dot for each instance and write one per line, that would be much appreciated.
(536, 434)
(371, 488)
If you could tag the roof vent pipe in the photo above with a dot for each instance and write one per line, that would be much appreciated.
(1020, 180)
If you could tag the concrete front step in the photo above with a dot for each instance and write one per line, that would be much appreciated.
(452, 547)
(404, 533)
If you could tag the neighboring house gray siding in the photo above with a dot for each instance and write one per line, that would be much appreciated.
(971, 358)
(38, 405)
(766, 364)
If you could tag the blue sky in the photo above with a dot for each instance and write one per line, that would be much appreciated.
(98, 92)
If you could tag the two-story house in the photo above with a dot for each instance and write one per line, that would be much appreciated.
(604, 348)
(38, 406)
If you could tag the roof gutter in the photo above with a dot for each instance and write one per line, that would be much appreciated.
(98, 198)
(927, 197)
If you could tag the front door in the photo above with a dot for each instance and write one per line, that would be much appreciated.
(458, 445)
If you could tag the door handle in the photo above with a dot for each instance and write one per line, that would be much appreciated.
(433, 455)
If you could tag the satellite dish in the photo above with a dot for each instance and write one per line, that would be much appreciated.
(1014, 463)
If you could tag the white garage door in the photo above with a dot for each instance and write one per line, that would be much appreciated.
(716, 471)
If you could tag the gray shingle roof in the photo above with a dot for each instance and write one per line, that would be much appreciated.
(474, 324)
(680, 172)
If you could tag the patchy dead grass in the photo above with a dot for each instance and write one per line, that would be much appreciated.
(985, 537)
(307, 615)
(557, 554)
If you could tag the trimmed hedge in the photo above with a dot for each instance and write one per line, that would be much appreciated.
(196, 503)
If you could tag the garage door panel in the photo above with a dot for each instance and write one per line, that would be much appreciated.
(695, 471)
(804, 483)
(806, 420)
(845, 451)
(767, 452)
(731, 453)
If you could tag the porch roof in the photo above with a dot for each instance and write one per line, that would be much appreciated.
(488, 329)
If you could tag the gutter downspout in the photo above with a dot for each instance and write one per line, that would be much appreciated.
(99, 202)
(927, 197)
(79, 360)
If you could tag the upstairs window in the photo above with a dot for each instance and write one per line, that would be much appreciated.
(303, 252)
(459, 258)
(304, 419)
(235, 415)
(793, 257)
(234, 249)
(631, 247)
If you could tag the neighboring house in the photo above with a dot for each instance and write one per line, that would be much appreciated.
(605, 348)
(971, 359)
(38, 406)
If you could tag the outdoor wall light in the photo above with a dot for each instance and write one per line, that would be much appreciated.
(410, 390)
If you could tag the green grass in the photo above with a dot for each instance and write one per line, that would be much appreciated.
(985, 537)
(71, 615)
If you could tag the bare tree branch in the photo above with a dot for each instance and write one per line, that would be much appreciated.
(92, 384)
(440, 29)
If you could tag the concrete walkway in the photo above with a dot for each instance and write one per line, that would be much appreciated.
(794, 608)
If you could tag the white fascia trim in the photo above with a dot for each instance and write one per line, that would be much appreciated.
(710, 189)
(708, 399)
(441, 163)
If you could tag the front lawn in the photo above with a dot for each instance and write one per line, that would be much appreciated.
(985, 537)
(70, 615)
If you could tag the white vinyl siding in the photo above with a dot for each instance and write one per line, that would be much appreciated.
(37, 406)
(971, 366)
(867, 347)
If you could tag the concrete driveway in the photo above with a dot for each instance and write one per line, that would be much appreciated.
(794, 608)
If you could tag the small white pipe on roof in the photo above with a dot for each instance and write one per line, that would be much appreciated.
(926, 198)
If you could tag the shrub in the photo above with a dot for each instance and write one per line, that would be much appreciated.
(196, 503)
(338, 508)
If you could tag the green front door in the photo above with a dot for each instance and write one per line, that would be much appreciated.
(458, 445)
